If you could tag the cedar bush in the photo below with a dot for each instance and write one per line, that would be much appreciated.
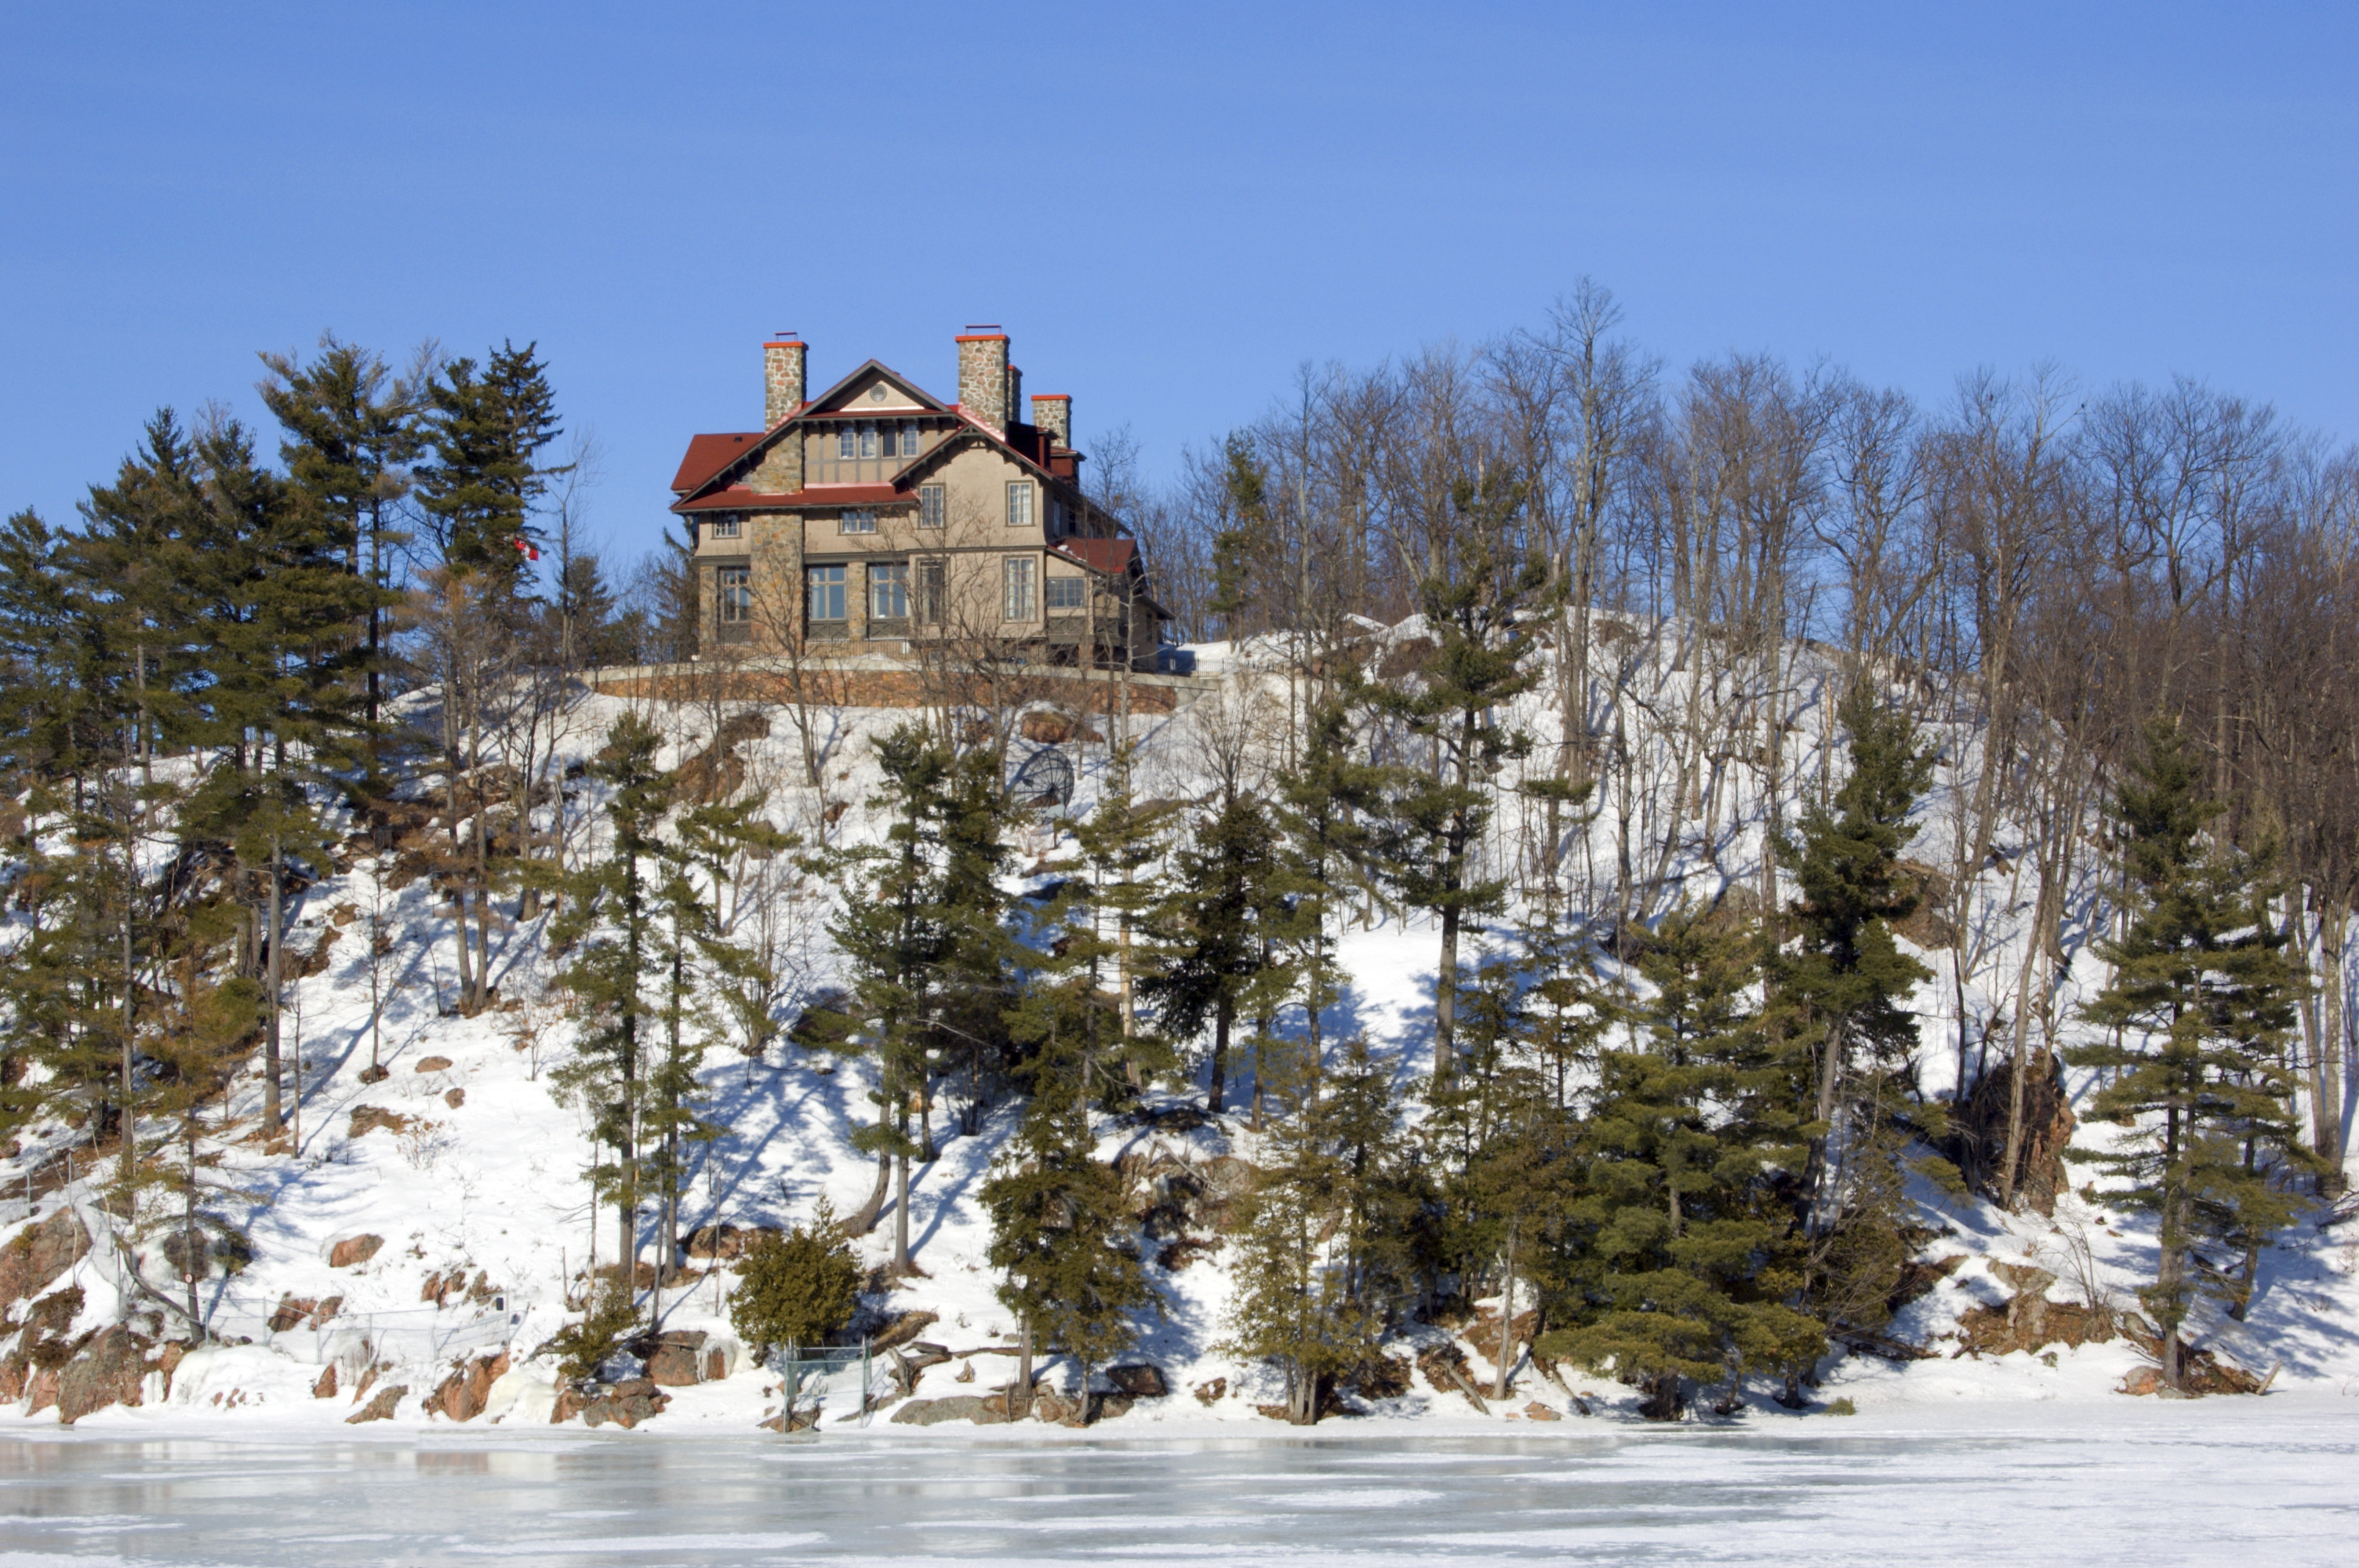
(582, 1348)
(800, 1288)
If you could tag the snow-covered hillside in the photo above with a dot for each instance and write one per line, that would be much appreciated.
(428, 1229)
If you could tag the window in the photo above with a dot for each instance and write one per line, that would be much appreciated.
(847, 442)
(735, 595)
(825, 595)
(1015, 595)
(868, 440)
(888, 590)
(910, 439)
(933, 589)
(1019, 504)
(723, 525)
(1065, 593)
(859, 520)
(933, 505)
(888, 444)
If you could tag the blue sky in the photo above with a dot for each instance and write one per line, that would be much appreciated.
(1168, 207)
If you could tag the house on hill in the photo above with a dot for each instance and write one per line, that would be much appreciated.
(876, 517)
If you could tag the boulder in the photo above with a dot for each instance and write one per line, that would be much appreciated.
(352, 1250)
(107, 1372)
(37, 1254)
(375, 1074)
(570, 1403)
(2143, 1380)
(368, 1119)
(463, 1395)
(1539, 1411)
(291, 1310)
(381, 1407)
(984, 1409)
(629, 1402)
(1108, 1406)
(1211, 1393)
(455, 1098)
(902, 1330)
(325, 1388)
(434, 1064)
(724, 1242)
(42, 1392)
(1139, 1380)
(15, 1368)
(677, 1360)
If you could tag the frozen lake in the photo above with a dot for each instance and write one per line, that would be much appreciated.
(2269, 1481)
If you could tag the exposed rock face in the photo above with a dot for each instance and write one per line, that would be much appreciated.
(39, 1253)
(354, 1250)
(107, 1372)
(463, 1395)
(677, 1360)
(626, 1404)
(984, 1409)
(325, 1388)
(1139, 1380)
(381, 1407)
(1978, 1132)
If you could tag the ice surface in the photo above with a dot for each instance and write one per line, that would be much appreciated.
(2266, 1480)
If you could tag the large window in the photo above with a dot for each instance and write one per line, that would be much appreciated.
(888, 590)
(1017, 589)
(825, 593)
(933, 506)
(933, 589)
(847, 442)
(1066, 592)
(1019, 504)
(735, 595)
(859, 520)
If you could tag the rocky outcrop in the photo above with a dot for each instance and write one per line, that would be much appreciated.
(351, 1251)
(380, 1408)
(463, 1395)
(625, 1404)
(37, 1254)
(108, 1371)
(680, 1358)
(984, 1409)
(1139, 1380)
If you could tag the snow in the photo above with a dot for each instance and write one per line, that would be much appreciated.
(493, 1189)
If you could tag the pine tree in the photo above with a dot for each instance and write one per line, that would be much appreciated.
(1212, 930)
(351, 430)
(1684, 1263)
(2200, 1006)
(609, 924)
(1843, 985)
(1478, 613)
(1060, 1233)
(1120, 840)
(488, 426)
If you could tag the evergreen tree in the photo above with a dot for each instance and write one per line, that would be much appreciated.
(1060, 1233)
(1478, 613)
(608, 922)
(1317, 1237)
(1120, 840)
(351, 429)
(1843, 985)
(1684, 1262)
(1212, 930)
(488, 424)
(2200, 1009)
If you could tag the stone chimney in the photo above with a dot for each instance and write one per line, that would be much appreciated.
(1052, 412)
(983, 378)
(782, 380)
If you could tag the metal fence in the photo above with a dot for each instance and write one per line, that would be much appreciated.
(810, 1376)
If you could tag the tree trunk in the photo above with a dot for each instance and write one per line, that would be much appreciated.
(900, 1214)
(1019, 1398)
(2331, 1044)
(271, 1111)
(1223, 1019)
(1506, 1321)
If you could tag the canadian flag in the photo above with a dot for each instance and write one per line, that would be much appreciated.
(527, 548)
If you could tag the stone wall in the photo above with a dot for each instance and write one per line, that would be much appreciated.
(983, 379)
(1085, 691)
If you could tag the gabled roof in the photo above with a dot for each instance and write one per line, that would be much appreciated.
(819, 404)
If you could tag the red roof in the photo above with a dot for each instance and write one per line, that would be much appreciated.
(707, 455)
(1109, 556)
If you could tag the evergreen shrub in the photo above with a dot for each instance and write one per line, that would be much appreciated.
(800, 1288)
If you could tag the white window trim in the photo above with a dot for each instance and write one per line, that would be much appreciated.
(1020, 490)
(1014, 607)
